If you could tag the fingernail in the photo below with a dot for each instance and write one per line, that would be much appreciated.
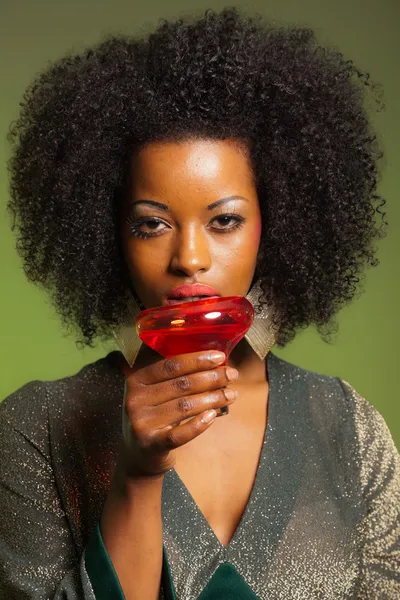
(231, 374)
(217, 357)
(209, 416)
(230, 394)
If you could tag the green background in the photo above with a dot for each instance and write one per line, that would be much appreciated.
(365, 353)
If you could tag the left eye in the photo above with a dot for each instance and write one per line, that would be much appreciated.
(151, 224)
(227, 222)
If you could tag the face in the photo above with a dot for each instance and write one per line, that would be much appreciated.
(191, 216)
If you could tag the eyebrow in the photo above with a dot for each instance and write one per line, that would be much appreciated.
(211, 206)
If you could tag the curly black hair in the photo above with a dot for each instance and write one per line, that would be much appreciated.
(299, 106)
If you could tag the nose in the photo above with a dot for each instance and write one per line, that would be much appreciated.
(191, 252)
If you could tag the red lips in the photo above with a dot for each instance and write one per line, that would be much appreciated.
(188, 291)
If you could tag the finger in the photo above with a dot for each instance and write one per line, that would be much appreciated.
(179, 409)
(187, 385)
(176, 366)
(174, 437)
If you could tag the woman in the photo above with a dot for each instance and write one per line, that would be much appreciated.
(236, 155)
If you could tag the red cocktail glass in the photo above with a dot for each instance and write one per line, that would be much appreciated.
(208, 324)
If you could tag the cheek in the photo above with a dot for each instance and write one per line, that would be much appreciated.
(251, 239)
(240, 250)
(246, 250)
(144, 265)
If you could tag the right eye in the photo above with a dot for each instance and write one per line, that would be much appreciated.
(146, 227)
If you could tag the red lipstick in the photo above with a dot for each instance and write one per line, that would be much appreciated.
(188, 293)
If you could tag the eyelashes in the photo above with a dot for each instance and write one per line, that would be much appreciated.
(137, 226)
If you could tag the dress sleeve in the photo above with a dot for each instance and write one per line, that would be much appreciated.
(38, 557)
(380, 483)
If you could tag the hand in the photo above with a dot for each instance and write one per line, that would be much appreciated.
(169, 403)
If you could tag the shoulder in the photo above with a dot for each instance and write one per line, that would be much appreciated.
(336, 396)
(311, 390)
(341, 418)
(29, 409)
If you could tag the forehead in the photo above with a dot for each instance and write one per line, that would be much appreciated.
(208, 166)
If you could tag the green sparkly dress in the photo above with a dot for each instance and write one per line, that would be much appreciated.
(322, 521)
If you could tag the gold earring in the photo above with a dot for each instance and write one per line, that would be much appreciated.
(262, 334)
(126, 335)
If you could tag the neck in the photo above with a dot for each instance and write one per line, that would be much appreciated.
(251, 368)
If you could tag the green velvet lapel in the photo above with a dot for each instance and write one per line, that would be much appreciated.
(166, 578)
(102, 575)
(227, 584)
(100, 569)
